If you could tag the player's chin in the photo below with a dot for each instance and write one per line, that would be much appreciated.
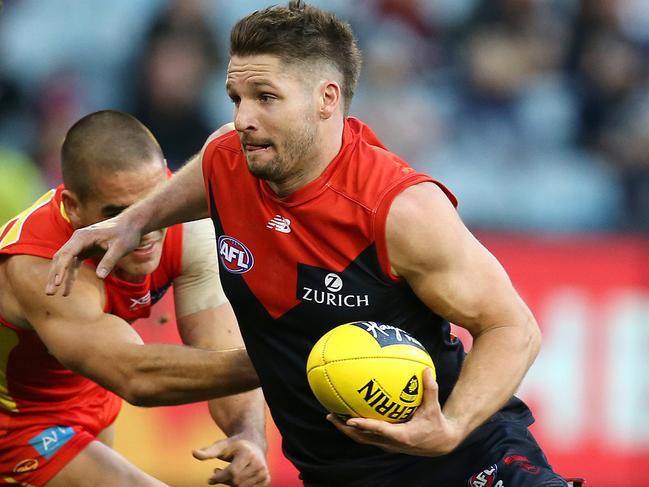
(138, 265)
(263, 167)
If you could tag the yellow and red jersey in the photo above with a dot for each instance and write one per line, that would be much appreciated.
(32, 381)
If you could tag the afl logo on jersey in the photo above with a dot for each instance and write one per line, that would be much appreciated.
(486, 478)
(235, 257)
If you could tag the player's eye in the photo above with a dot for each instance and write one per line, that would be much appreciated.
(112, 211)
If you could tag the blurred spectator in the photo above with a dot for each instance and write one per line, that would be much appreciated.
(532, 110)
(611, 73)
(607, 66)
(178, 57)
(509, 155)
(15, 123)
(20, 183)
(392, 83)
(626, 141)
(60, 103)
(411, 13)
(510, 49)
(93, 38)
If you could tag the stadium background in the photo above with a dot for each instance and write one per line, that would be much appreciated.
(535, 112)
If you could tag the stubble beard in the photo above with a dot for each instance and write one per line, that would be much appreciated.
(291, 158)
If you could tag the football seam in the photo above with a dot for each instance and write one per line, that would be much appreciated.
(326, 374)
(370, 357)
(333, 388)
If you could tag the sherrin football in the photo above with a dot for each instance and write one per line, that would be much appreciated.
(369, 370)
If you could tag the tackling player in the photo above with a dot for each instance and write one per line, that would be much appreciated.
(65, 363)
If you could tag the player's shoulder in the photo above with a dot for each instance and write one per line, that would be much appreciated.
(26, 276)
(21, 278)
(198, 247)
(41, 229)
(23, 268)
(370, 158)
(224, 138)
(222, 152)
(370, 168)
(420, 199)
(203, 229)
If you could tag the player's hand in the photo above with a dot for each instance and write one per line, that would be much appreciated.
(427, 433)
(247, 459)
(114, 236)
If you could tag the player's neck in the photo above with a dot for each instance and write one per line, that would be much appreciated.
(125, 276)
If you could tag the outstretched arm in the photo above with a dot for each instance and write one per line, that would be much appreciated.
(452, 273)
(107, 350)
(182, 198)
(206, 320)
(242, 416)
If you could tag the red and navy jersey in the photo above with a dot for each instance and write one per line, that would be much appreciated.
(295, 267)
(32, 381)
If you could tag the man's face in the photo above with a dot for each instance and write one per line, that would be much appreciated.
(113, 193)
(275, 114)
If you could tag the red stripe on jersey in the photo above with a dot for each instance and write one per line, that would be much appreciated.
(341, 209)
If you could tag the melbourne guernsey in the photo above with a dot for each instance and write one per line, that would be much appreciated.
(295, 267)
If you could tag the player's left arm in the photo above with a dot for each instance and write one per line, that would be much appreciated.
(206, 320)
(454, 275)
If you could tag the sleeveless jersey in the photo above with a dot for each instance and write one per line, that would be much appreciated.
(32, 381)
(295, 267)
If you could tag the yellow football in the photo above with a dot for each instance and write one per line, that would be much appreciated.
(369, 370)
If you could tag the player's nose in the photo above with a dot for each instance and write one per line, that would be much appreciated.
(244, 117)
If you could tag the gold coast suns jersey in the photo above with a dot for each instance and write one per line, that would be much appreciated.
(32, 381)
(295, 267)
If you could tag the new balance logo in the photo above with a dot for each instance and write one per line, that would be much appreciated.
(282, 225)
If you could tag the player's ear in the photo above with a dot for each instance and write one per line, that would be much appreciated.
(330, 98)
(71, 207)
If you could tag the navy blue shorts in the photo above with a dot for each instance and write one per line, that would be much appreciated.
(498, 454)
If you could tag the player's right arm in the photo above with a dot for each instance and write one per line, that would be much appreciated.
(461, 281)
(106, 349)
(180, 199)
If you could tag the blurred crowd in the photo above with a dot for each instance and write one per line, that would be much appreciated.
(534, 112)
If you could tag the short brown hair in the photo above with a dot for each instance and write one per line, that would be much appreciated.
(107, 140)
(298, 33)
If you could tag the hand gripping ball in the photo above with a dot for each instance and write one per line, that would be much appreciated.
(368, 369)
